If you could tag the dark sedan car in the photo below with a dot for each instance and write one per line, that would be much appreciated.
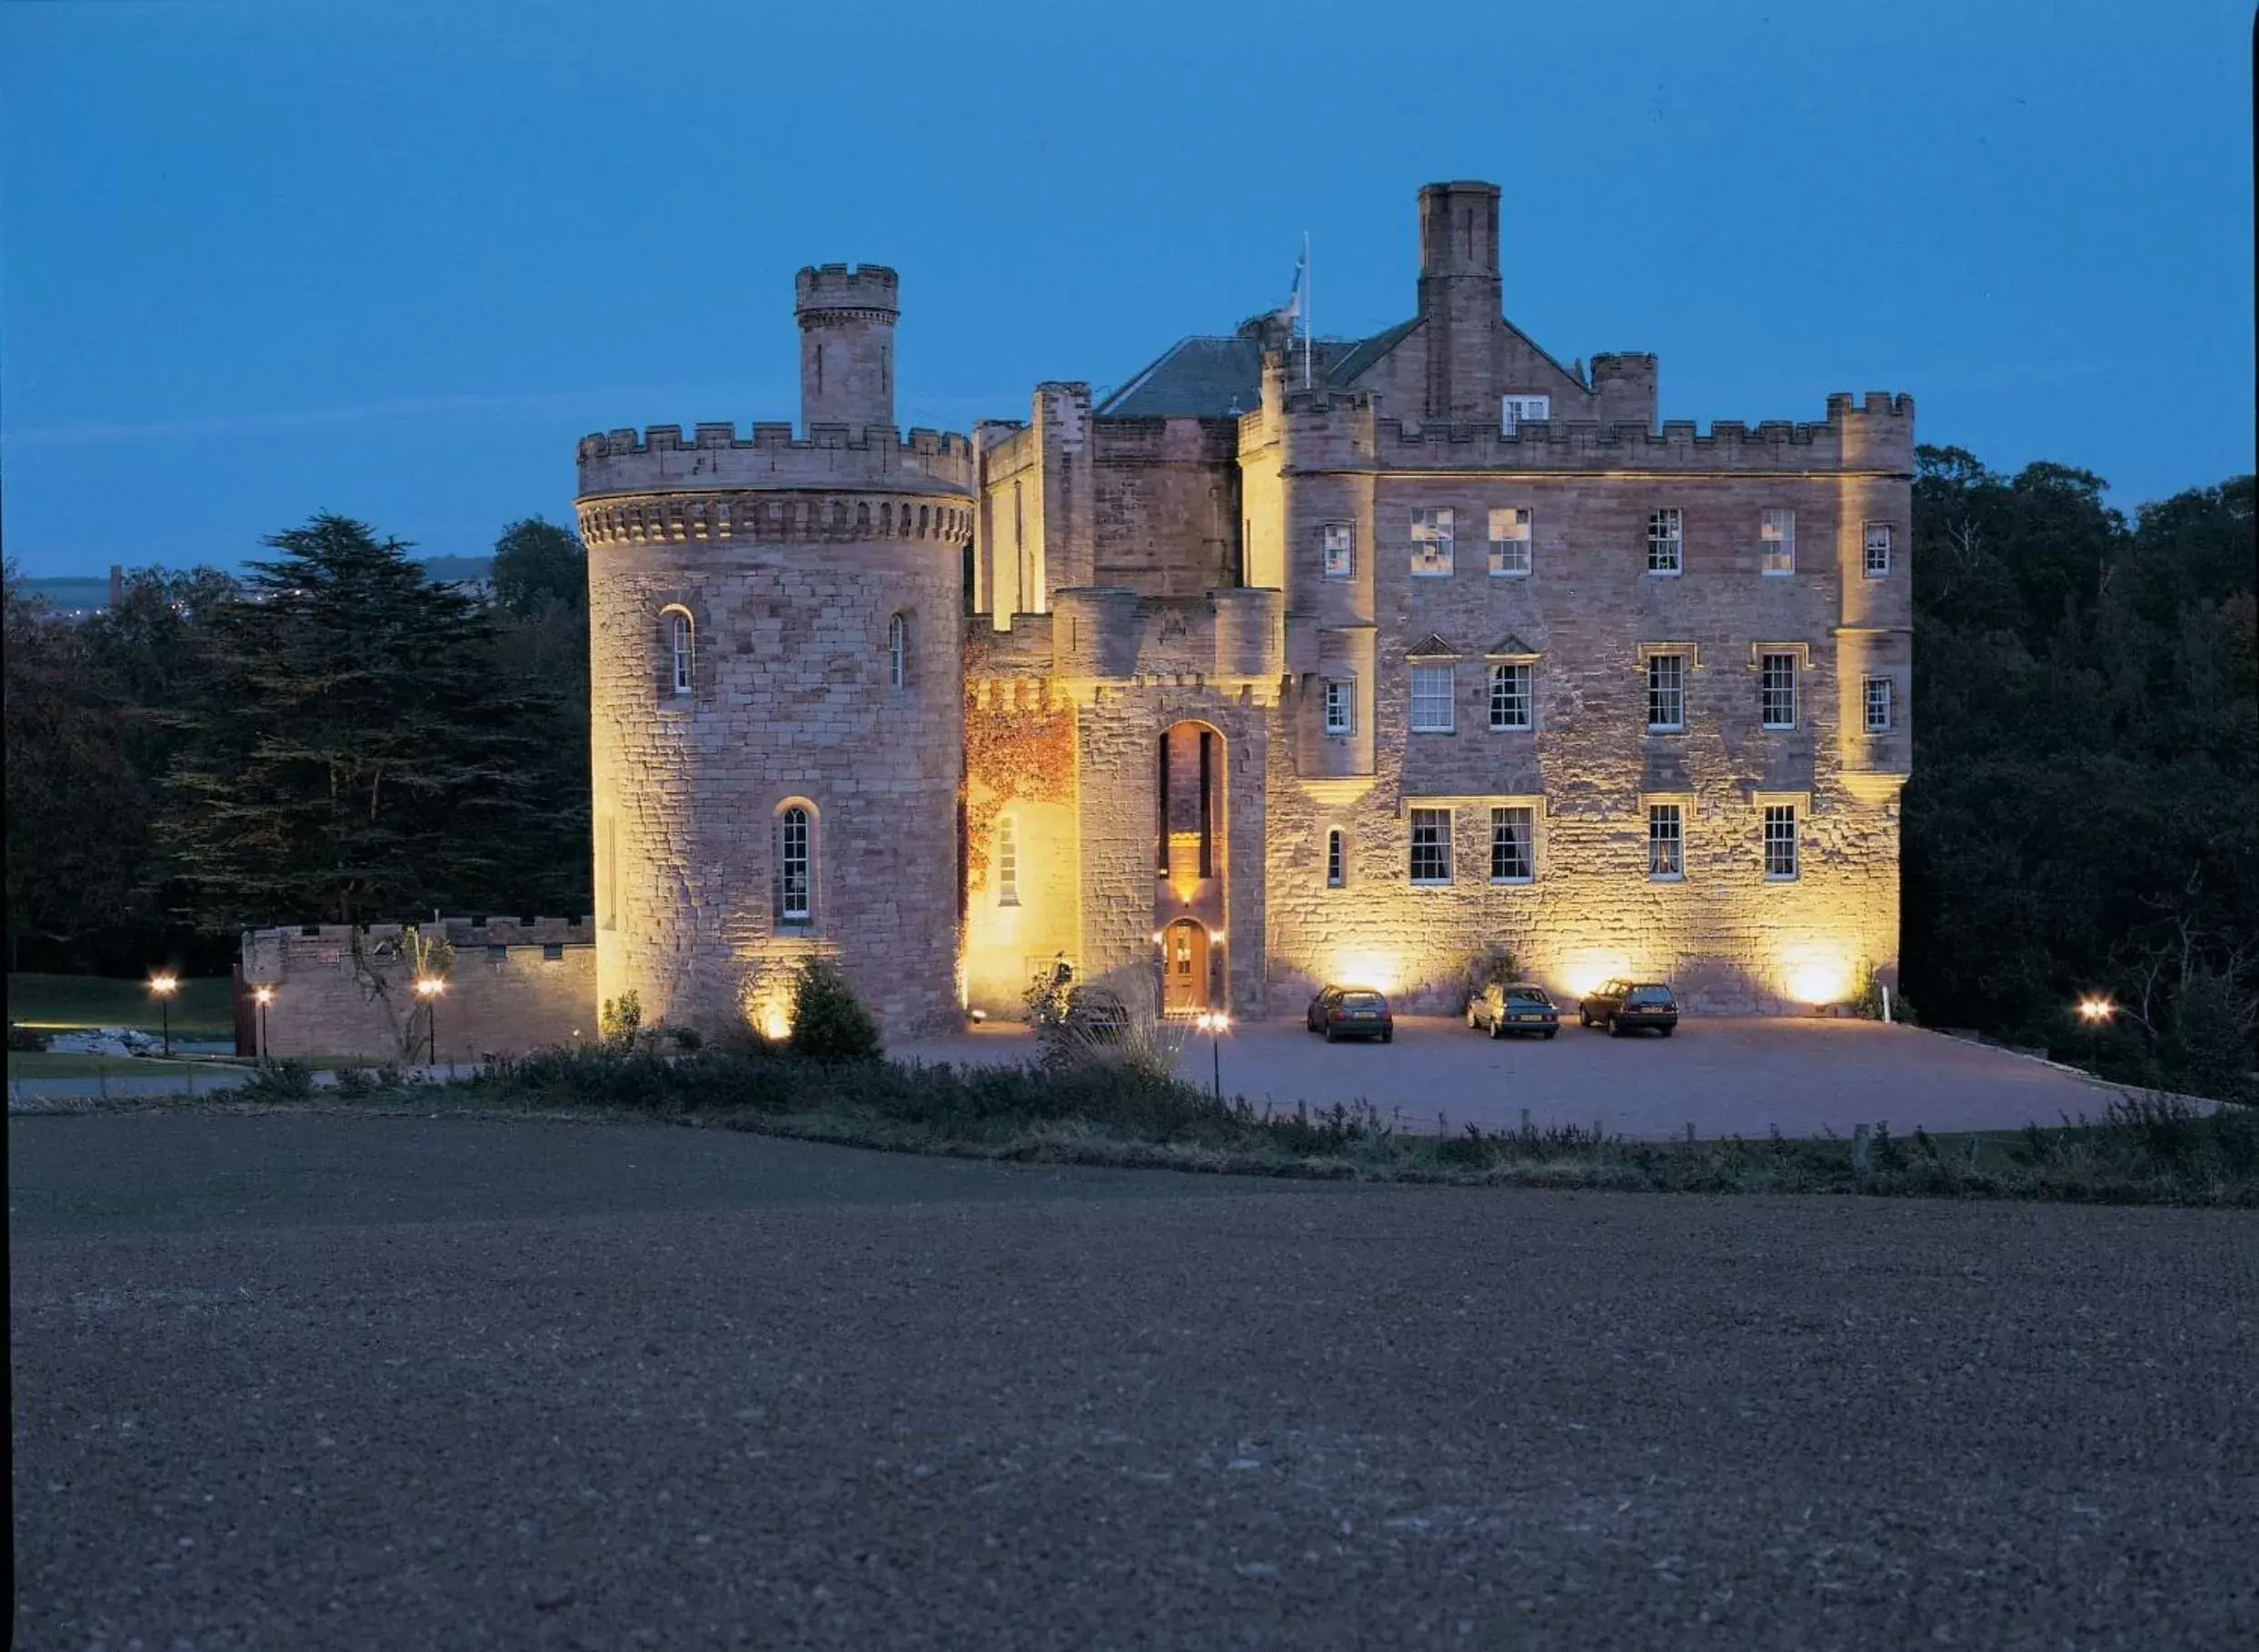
(1351, 1012)
(1515, 1008)
(1626, 1006)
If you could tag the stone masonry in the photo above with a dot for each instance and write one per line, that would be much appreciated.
(1144, 667)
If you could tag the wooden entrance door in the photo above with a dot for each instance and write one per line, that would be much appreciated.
(1184, 968)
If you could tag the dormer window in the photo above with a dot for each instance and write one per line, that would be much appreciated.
(1517, 409)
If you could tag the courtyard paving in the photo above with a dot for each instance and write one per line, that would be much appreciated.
(1726, 1077)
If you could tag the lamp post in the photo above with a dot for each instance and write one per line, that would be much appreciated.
(164, 984)
(428, 987)
(1214, 1024)
(2095, 1011)
(263, 997)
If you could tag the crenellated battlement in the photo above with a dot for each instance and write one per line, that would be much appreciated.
(829, 456)
(1874, 433)
(821, 287)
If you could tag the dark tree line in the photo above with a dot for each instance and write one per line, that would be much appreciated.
(2084, 815)
(335, 736)
(332, 737)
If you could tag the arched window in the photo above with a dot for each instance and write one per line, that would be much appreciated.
(898, 652)
(1334, 869)
(796, 860)
(1007, 862)
(682, 645)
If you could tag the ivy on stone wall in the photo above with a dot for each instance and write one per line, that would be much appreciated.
(1024, 752)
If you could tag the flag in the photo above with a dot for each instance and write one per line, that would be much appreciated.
(1291, 310)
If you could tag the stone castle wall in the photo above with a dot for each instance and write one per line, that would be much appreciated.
(790, 704)
(513, 988)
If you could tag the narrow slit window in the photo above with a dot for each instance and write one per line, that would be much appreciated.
(681, 647)
(1007, 862)
(1333, 858)
(794, 884)
(898, 653)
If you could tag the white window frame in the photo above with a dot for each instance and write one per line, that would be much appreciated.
(1430, 821)
(1511, 551)
(898, 653)
(1337, 550)
(1515, 411)
(1006, 860)
(1783, 853)
(1674, 690)
(1667, 842)
(1876, 536)
(796, 852)
(683, 642)
(1337, 859)
(1875, 691)
(1341, 701)
(1769, 704)
(1512, 688)
(1433, 549)
(1503, 819)
(1777, 543)
(1427, 676)
(1666, 542)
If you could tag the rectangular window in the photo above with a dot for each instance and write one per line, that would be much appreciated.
(1666, 692)
(1333, 858)
(1431, 846)
(552, 952)
(1431, 540)
(1509, 696)
(1667, 842)
(1666, 542)
(1514, 410)
(1431, 700)
(1340, 707)
(1877, 693)
(1339, 539)
(1007, 861)
(1513, 849)
(1780, 840)
(1776, 541)
(1776, 690)
(1878, 553)
(1509, 542)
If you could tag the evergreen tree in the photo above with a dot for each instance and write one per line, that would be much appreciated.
(357, 754)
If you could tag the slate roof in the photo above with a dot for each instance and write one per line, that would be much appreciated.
(1211, 377)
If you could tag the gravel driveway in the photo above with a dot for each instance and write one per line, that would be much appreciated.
(1726, 1077)
(314, 1382)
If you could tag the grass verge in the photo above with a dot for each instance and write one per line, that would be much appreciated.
(2145, 1150)
(204, 1007)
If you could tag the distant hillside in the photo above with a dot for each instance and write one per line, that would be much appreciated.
(77, 594)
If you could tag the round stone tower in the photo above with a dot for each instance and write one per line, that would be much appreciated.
(776, 682)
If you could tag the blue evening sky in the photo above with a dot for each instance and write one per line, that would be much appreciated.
(265, 259)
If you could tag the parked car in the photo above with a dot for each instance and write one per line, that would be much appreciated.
(1351, 1012)
(1513, 1008)
(1626, 1006)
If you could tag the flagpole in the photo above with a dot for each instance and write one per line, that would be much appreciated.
(1306, 309)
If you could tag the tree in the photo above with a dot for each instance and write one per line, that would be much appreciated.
(77, 814)
(536, 564)
(355, 751)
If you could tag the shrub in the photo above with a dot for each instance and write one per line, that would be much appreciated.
(1494, 966)
(1114, 1021)
(283, 1081)
(687, 1038)
(621, 1018)
(830, 1023)
(25, 1038)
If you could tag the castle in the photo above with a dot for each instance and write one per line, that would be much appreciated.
(1289, 661)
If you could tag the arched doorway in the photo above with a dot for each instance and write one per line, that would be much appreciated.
(1184, 968)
